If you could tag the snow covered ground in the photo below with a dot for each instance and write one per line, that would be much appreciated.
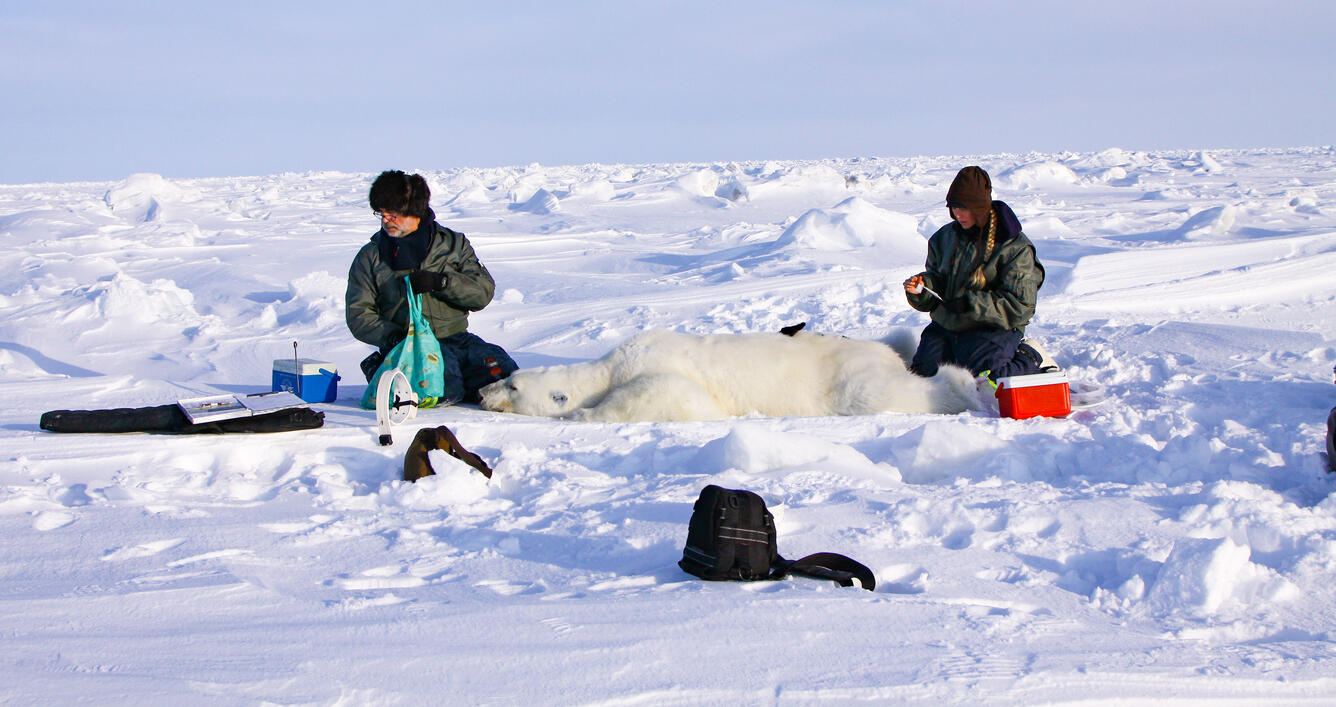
(1178, 541)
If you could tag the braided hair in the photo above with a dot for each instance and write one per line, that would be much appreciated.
(978, 280)
(972, 190)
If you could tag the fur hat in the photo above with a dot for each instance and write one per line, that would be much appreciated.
(406, 194)
(972, 189)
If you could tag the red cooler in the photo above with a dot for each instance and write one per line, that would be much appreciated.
(1040, 394)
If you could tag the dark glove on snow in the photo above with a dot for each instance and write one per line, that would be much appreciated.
(426, 281)
(957, 305)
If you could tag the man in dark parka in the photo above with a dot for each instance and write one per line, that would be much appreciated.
(442, 268)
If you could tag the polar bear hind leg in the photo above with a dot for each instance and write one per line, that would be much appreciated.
(868, 378)
(903, 341)
(654, 397)
(867, 386)
(956, 390)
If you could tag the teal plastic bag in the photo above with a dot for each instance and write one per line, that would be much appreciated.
(418, 356)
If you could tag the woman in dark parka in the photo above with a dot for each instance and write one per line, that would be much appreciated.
(986, 277)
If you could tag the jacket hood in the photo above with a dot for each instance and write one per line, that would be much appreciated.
(1007, 223)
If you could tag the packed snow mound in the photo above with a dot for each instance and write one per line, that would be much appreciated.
(320, 298)
(1037, 175)
(1109, 159)
(542, 202)
(857, 223)
(470, 196)
(141, 197)
(1046, 226)
(755, 449)
(1205, 274)
(1304, 201)
(931, 223)
(593, 190)
(1207, 576)
(937, 452)
(1112, 157)
(17, 365)
(454, 485)
(1214, 222)
(775, 180)
(732, 190)
(126, 301)
(701, 182)
(1206, 164)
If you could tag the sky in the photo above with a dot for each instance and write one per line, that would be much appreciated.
(101, 90)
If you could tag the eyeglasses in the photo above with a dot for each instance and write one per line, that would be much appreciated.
(389, 215)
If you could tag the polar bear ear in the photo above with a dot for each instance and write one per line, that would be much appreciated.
(559, 397)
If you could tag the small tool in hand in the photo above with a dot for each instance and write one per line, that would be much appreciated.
(922, 287)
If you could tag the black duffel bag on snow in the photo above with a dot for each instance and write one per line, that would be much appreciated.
(731, 536)
(169, 419)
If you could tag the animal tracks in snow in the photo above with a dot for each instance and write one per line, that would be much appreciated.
(560, 628)
(978, 668)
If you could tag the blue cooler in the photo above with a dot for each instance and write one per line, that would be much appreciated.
(319, 379)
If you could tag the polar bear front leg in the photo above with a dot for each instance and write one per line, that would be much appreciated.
(654, 397)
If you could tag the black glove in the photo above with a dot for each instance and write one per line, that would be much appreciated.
(371, 364)
(426, 281)
(957, 305)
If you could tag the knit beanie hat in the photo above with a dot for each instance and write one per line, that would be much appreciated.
(973, 190)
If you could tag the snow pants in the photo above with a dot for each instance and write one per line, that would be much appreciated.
(469, 364)
(993, 350)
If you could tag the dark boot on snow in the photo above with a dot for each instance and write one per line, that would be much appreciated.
(416, 463)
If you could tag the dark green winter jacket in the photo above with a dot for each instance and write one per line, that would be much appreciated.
(1013, 274)
(376, 301)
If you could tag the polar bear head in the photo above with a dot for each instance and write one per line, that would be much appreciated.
(554, 391)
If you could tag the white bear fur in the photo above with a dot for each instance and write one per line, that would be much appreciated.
(668, 376)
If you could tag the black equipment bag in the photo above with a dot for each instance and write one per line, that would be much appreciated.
(169, 419)
(1331, 440)
(731, 535)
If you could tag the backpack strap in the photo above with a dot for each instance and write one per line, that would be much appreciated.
(827, 565)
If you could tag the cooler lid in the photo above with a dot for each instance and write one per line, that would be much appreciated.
(309, 366)
(1033, 379)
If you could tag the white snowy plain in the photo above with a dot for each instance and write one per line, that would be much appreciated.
(1176, 542)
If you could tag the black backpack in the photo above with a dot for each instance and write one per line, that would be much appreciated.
(1331, 440)
(731, 535)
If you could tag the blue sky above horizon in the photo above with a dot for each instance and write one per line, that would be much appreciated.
(100, 90)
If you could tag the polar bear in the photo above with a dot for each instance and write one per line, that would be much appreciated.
(669, 376)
